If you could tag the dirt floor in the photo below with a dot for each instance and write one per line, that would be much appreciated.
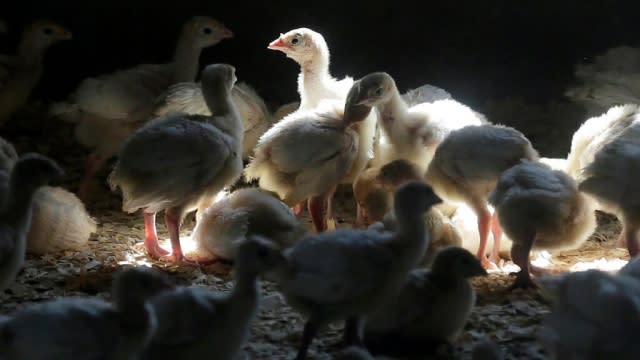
(511, 319)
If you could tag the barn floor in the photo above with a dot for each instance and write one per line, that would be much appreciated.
(511, 319)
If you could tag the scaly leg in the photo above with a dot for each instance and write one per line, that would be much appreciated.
(310, 331)
(151, 237)
(316, 207)
(484, 222)
(92, 165)
(329, 217)
(520, 256)
(173, 219)
(353, 328)
(496, 231)
(630, 232)
(297, 208)
(361, 215)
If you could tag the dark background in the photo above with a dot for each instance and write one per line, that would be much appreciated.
(477, 50)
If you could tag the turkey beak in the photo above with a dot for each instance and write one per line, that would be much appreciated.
(278, 44)
(227, 34)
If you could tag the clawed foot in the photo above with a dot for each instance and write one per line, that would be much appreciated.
(155, 252)
(180, 259)
(488, 264)
(297, 208)
(331, 224)
(522, 282)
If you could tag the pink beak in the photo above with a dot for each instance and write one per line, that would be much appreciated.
(227, 34)
(278, 44)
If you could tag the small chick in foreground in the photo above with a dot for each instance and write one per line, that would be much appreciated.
(243, 213)
(540, 208)
(29, 173)
(432, 307)
(195, 323)
(594, 316)
(376, 199)
(86, 328)
(345, 274)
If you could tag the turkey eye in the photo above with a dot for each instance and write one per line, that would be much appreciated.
(207, 31)
(47, 31)
(295, 41)
(378, 91)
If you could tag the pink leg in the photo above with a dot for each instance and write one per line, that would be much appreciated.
(484, 222)
(151, 237)
(329, 196)
(173, 219)
(496, 230)
(297, 208)
(92, 165)
(316, 207)
(361, 215)
(630, 232)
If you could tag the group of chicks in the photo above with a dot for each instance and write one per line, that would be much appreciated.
(413, 160)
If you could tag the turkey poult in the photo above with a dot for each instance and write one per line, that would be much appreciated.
(309, 49)
(411, 132)
(596, 132)
(308, 153)
(440, 231)
(107, 108)
(196, 323)
(613, 178)
(187, 97)
(432, 307)
(466, 167)
(24, 70)
(86, 328)
(175, 162)
(540, 208)
(59, 220)
(243, 213)
(345, 274)
(594, 315)
(27, 175)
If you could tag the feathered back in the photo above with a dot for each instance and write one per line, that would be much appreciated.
(425, 94)
(615, 171)
(594, 133)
